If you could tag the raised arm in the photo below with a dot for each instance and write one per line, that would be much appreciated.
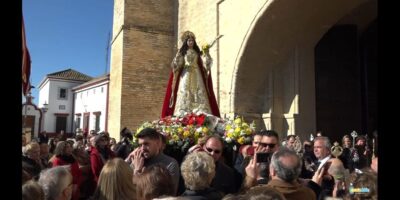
(207, 60)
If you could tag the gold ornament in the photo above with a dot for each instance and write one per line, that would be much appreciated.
(336, 150)
(186, 35)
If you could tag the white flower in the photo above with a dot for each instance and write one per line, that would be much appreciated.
(242, 133)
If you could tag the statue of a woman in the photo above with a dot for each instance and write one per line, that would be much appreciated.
(190, 87)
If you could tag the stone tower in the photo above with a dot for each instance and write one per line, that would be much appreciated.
(142, 48)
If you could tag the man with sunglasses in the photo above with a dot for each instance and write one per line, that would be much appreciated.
(269, 144)
(246, 152)
(226, 179)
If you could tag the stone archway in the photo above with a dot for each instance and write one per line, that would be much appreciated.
(274, 71)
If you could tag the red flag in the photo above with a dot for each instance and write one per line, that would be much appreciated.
(26, 64)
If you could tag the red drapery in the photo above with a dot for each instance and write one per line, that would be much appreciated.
(26, 64)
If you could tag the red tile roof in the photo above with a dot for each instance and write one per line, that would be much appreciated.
(70, 74)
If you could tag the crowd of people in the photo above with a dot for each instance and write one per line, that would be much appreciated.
(96, 167)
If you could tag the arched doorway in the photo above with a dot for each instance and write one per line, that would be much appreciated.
(275, 80)
(346, 80)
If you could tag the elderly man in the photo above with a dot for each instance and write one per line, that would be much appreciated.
(322, 150)
(333, 167)
(284, 170)
(149, 153)
(56, 183)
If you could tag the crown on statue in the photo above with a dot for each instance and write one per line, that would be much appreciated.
(186, 35)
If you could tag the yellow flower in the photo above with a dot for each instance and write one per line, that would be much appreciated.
(205, 130)
(175, 138)
(238, 121)
(186, 134)
(196, 135)
(180, 130)
(248, 131)
(241, 140)
(237, 130)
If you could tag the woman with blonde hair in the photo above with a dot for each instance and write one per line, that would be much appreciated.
(31, 160)
(115, 181)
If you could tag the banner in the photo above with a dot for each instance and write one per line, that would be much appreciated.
(26, 64)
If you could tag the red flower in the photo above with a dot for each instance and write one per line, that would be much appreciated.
(192, 120)
(200, 119)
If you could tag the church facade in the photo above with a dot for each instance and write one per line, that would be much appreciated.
(296, 67)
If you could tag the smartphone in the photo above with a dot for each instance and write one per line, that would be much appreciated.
(262, 157)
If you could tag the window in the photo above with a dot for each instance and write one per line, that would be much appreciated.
(101, 89)
(94, 91)
(63, 93)
(61, 123)
(61, 107)
(97, 127)
(78, 122)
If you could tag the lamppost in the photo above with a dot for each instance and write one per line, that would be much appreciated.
(44, 110)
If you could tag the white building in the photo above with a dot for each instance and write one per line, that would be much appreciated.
(31, 119)
(55, 90)
(90, 104)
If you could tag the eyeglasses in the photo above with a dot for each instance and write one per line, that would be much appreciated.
(212, 150)
(266, 144)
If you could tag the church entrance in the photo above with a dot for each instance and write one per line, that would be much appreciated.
(346, 80)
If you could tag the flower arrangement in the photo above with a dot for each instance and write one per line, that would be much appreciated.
(238, 131)
(183, 132)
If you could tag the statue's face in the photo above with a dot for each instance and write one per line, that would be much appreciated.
(190, 42)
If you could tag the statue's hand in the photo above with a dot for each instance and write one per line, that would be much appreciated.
(206, 49)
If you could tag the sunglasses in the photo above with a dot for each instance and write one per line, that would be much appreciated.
(212, 150)
(266, 144)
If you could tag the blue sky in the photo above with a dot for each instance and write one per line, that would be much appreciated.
(64, 34)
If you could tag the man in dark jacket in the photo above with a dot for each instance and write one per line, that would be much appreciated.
(124, 147)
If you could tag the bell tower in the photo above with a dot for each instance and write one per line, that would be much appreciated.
(142, 48)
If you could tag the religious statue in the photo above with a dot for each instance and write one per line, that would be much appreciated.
(189, 88)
